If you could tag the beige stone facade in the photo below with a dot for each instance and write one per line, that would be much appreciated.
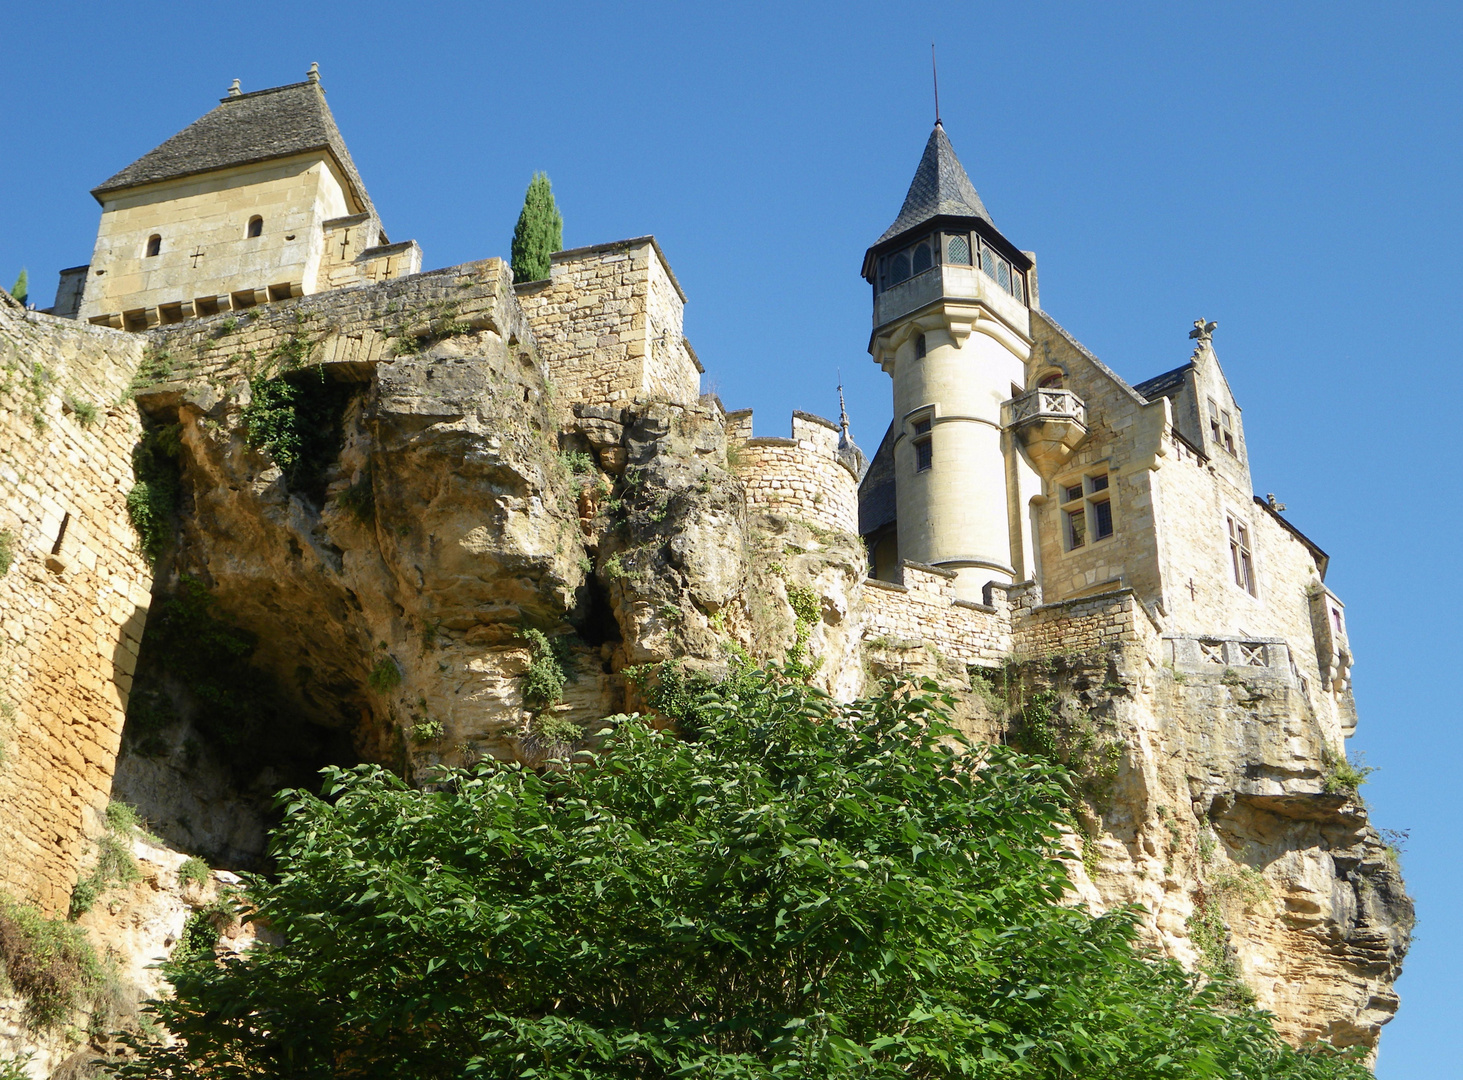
(609, 322)
(802, 477)
(75, 597)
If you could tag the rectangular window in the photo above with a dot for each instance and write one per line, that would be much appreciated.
(1228, 425)
(1086, 510)
(924, 455)
(1214, 422)
(1240, 555)
(1076, 529)
(1221, 428)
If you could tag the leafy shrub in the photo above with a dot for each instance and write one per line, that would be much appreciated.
(427, 731)
(543, 686)
(801, 889)
(193, 871)
(115, 867)
(153, 499)
(47, 962)
(85, 411)
(576, 462)
(296, 419)
(385, 676)
(14, 1068)
(1344, 778)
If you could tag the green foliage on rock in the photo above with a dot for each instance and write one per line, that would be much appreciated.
(7, 551)
(296, 419)
(539, 232)
(543, 686)
(21, 289)
(47, 963)
(153, 499)
(799, 889)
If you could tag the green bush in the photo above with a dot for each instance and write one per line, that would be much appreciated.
(193, 871)
(798, 889)
(296, 419)
(115, 866)
(1344, 778)
(7, 550)
(385, 676)
(153, 499)
(48, 963)
(543, 686)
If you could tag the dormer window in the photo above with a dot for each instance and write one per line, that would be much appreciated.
(256, 226)
(154, 245)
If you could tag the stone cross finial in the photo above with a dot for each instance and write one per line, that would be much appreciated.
(234, 90)
(313, 75)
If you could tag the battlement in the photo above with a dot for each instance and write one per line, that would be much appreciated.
(802, 476)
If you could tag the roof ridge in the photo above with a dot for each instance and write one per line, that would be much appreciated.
(267, 90)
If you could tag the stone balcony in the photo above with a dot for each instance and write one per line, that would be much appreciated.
(1050, 424)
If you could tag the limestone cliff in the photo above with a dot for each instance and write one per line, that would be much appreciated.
(390, 540)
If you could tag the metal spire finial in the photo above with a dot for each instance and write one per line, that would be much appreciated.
(935, 71)
(842, 410)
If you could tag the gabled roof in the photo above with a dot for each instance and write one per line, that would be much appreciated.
(242, 130)
(940, 187)
(1165, 385)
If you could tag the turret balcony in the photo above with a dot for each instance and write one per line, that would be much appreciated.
(1050, 423)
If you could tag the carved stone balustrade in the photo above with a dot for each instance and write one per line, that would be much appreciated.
(1050, 424)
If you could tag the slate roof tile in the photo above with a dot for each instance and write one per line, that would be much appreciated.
(242, 130)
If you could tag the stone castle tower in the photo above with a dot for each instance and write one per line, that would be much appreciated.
(952, 329)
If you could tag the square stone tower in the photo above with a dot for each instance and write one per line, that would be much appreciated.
(256, 201)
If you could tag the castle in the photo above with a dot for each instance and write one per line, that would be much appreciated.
(1024, 502)
(1017, 463)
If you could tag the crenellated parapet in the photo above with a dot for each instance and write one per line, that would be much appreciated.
(802, 477)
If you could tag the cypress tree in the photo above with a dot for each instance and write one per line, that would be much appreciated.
(22, 286)
(539, 232)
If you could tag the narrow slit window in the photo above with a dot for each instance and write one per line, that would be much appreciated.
(154, 245)
(924, 450)
(919, 347)
(256, 227)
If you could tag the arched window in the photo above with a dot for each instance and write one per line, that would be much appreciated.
(256, 226)
(959, 251)
(1051, 382)
(923, 260)
(154, 245)
(898, 268)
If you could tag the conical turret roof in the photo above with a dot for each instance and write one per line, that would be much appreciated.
(940, 187)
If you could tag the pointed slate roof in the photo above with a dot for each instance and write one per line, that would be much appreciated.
(242, 130)
(940, 186)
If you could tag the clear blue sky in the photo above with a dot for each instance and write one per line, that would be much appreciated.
(1290, 170)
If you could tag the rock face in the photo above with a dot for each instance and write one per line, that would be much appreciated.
(393, 543)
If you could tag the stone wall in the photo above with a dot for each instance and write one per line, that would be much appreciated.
(356, 254)
(608, 322)
(73, 602)
(925, 609)
(348, 328)
(801, 477)
(1115, 620)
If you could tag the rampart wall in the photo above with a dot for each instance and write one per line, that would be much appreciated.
(925, 608)
(801, 477)
(609, 324)
(74, 597)
(346, 327)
